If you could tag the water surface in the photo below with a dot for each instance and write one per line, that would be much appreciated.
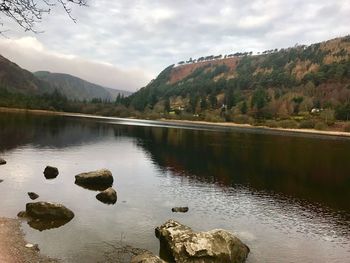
(286, 197)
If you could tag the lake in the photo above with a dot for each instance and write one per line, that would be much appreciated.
(285, 195)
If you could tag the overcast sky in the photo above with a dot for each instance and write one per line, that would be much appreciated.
(123, 44)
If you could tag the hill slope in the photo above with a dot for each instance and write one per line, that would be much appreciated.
(276, 84)
(76, 88)
(15, 79)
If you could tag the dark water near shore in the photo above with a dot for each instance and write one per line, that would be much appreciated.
(287, 197)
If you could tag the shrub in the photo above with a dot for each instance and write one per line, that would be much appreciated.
(212, 117)
(321, 126)
(307, 124)
(347, 127)
(241, 119)
(288, 124)
(271, 123)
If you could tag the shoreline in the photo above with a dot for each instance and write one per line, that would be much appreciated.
(13, 244)
(187, 123)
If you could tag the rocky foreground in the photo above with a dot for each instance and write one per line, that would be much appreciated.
(13, 245)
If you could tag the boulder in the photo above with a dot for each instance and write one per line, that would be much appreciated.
(108, 196)
(50, 172)
(2, 161)
(180, 209)
(179, 243)
(1, 180)
(146, 257)
(48, 211)
(96, 178)
(33, 195)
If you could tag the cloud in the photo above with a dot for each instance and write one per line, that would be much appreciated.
(143, 36)
(31, 54)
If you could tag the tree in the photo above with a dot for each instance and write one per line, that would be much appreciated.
(260, 98)
(27, 13)
(244, 107)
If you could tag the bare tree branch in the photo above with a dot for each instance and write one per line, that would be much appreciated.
(27, 13)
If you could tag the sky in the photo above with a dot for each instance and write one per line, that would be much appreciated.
(124, 44)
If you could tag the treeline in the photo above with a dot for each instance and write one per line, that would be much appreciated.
(299, 84)
(56, 101)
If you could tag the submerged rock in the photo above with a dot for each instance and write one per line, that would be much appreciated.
(108, 196)
(100, 178)
(2, 161)
(46, 210)
(146, 257)
(50, 172)
(44, 215)
(33, 195)
(179, 243)
(1, 180)
(180, 209)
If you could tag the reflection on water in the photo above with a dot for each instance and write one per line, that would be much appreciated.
(42, 225)
(285, 196)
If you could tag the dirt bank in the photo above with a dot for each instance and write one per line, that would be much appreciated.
(13, 245)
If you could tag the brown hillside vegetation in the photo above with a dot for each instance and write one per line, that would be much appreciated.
(180, 72)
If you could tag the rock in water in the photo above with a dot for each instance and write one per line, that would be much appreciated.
(182, 244)
(22, 214)
(50, 172)
(48, 211)
(1, 181)
(146, 257)
(108, 196)
(96, 178)
(33, 195)
(180, 209)
(2, 161)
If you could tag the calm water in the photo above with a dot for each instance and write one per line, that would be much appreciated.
(286, 197)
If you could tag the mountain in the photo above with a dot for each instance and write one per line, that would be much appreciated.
(274, 84)
(78, 89)
(16, 79)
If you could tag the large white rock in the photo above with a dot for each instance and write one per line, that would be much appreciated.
(184, 245)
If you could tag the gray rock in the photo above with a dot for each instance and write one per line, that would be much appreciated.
(22, 214)
(97, 178)
(50, 172)
(33, 195)
(179, 243)
(42, 215)
(108, 196)
(1, 180)
(146, 257)
(180, 209)
(2, 161)
(49, 211)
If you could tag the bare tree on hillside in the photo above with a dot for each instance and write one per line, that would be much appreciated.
(27, 13)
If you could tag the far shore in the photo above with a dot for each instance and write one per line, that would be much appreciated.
(186, 123)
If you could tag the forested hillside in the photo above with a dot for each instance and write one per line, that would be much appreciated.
(44, 90)
(306, 85)
(76, 88)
